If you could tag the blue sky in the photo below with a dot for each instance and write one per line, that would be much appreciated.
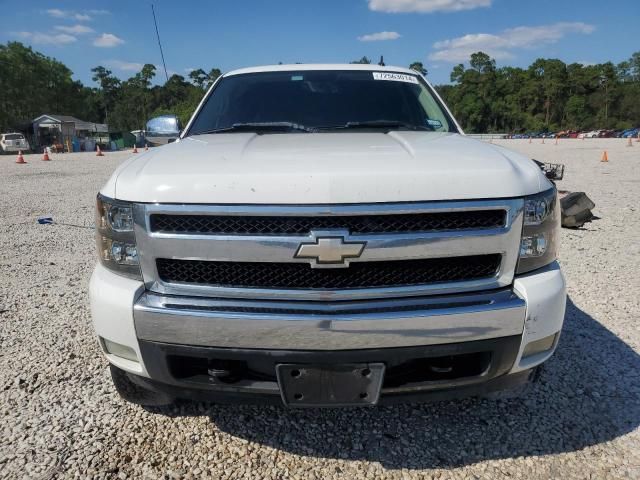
(235, 33)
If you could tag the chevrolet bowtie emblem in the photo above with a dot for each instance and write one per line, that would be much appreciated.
(330, 251)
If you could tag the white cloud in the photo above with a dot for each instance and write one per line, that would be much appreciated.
(124, 66)
(74, 29)
(107, 40)
(501, 46)
(380, 36)
(56, 13)
(74, 15)
(426, 6)
(37, 38)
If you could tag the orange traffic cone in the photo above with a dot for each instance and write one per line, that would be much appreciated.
(630, 143)
(605, 157)
(542, 140)
(146, 147)
(135, 149)
(45, 157)
(20, 158)
(638, 139)
(99, 152)
(529, 139)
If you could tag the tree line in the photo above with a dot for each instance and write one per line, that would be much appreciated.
(548, 95)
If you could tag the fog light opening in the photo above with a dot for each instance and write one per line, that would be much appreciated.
(539, 346)
(118, 350)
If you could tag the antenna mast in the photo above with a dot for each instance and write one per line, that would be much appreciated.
(159, 44)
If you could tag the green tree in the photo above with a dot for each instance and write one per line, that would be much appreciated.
(551, 78)
(32, 84)
(109, 85)
(213, 75)
(198, 78)
(419, 67)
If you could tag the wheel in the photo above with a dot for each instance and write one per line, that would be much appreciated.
(137, 394)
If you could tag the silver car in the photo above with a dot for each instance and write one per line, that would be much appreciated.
(13, 142)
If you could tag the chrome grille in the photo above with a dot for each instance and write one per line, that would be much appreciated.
(361, 224)
(250, 251)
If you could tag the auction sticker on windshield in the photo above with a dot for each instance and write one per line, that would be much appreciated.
(394, 77)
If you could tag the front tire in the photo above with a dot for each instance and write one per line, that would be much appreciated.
(137, 394)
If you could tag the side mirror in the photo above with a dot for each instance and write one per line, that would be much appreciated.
(162, 130)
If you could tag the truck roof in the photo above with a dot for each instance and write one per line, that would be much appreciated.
(298, 67)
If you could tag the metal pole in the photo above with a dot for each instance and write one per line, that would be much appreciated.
(159, 44)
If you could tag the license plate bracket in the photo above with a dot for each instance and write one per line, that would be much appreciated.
(343, 385)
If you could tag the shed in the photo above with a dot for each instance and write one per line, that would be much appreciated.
(53, 129)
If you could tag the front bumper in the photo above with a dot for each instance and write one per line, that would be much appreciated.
(481, 367)
(497, 323)
(329, 326)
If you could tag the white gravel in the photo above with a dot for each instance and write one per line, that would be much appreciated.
(60, 416)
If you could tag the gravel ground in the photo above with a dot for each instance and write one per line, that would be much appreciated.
(60, 416)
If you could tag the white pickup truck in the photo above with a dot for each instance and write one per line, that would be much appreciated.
(325, 235)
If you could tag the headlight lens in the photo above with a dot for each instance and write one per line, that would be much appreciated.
(539, 243)
(115, 238)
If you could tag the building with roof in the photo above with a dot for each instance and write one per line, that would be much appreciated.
(65, 130)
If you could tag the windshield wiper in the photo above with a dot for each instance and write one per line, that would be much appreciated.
(385, 124)
(259, 127)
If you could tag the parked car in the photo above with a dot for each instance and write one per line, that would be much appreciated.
(567, 134)
(13, 142)
(537, 134)
(631, 132)
(325, 236)
(607, 134)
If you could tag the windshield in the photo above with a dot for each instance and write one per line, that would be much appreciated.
(321, 101)
(13, 136)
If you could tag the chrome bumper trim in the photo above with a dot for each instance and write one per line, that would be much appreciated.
(416, 322)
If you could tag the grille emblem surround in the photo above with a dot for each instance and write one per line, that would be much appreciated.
(330, 250)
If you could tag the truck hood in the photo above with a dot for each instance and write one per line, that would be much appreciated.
(324, 168)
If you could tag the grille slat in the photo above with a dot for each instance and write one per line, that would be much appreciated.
(300, 225)
(302, 276)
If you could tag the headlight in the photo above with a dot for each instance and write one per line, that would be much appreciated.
(116, 241)
(539, 243)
